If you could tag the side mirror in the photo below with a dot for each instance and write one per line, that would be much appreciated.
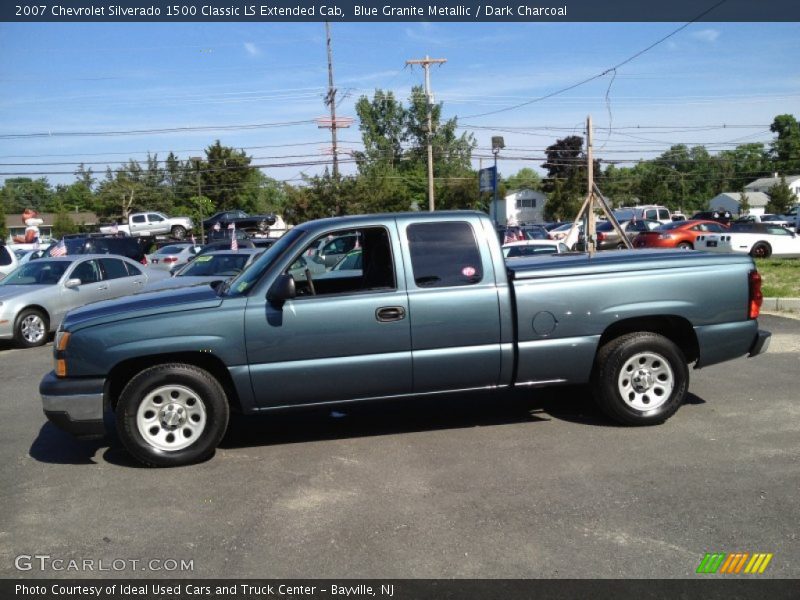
(282, 290)
(71, 284)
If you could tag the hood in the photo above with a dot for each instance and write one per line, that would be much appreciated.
(15, 291)
(141, 305)
(182, 282)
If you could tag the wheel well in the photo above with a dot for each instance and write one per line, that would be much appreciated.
(41, 309)
(676, 329)
(123, 372)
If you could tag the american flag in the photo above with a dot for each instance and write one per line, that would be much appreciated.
(59, 249)
(234, 241)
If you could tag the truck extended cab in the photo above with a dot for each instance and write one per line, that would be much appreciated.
(434, 308)
(152, 224)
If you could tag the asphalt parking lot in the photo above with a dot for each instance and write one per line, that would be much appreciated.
(534, 484)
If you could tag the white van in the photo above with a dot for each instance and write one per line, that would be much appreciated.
(651, 212)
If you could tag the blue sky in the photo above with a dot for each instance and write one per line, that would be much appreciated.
(104, 77)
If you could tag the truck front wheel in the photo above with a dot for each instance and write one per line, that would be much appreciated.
(640, 378)
(171, 415)
(178, 232)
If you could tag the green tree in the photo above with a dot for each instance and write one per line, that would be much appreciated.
(383, 124)
(744, 203)
(63, 223)
(785, 149)
(525, 178)
(224, 175)
(19, 193)
(781, 197)
(565, 184)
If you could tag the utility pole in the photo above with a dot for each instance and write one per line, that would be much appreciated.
(594, 197)
(330, 100)
(426, 64)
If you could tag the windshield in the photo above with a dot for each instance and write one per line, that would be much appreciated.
(215, 264)
(250, 276)
(41, 272)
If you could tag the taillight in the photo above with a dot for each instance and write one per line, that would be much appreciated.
(756, 298)
(170, 259)
(601, 237)
(144, 260)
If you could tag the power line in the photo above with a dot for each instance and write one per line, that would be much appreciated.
(604, 73)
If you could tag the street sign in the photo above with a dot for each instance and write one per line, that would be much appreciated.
(487, 178)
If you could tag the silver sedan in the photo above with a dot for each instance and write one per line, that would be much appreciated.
(35, 297)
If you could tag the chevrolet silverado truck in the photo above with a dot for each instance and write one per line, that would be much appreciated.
(433, 309)
(152, 224)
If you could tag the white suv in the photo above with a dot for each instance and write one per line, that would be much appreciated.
(8, 260)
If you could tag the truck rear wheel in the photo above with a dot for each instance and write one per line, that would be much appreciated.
(171, 415)
(640, 378)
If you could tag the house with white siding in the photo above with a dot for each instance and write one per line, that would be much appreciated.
(731, 202)
(519, 207)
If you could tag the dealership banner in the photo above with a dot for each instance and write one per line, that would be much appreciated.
(401, 589)
(400, 10)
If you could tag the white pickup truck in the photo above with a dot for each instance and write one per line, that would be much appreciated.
(152, 224)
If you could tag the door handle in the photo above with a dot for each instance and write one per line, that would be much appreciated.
(102, 287)
(390, 313)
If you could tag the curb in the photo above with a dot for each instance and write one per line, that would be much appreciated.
(781, 304)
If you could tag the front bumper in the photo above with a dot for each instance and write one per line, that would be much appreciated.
(74, 405)
(761, 343)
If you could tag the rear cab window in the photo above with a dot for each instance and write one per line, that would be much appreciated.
(444, 254)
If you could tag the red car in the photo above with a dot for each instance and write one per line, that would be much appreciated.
(678, 234)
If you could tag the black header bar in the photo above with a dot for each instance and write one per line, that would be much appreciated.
(400, 10)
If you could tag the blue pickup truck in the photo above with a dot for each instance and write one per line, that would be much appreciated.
(433, 308)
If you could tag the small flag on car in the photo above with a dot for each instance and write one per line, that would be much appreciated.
(59, 249)
(234, 242)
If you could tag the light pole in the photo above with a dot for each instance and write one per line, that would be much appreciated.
(498, 143)
(197, 160)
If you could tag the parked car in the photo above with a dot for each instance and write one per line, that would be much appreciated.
(772, 219)
(223, 245)
(212, 266)
(516, 233)
(150, 224)
(533, 248)
(242, 221)
(436, 309)
(678, 234)
(171, 256)
(29, 255)
(608, 238)
(720, 216)
(330, 250)
(35, 297)
(8, 260)
(649, 212)
(133, 248)
(759, 240)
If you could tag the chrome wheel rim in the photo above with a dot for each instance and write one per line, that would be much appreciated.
(32, 329)
(171, 417)
(646, 381)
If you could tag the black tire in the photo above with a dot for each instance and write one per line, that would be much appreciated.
(640, 378)
(175, 400)
(178, 232)
(32, 328)
(761, 250)
(621, 246)
(686, 246)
